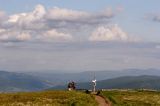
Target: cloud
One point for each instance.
(65, 14)
(61, 17)
(24, 37)
(53, 35)
(30, 26)
(55, 24)
(109, 33)
(28, 20)
(16, 17)
(3, 17)
(2, 14)
(47, 36)
(14, 36)
(35, 15)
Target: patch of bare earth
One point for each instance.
(101, 101)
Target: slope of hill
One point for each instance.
(126, 82)
(131, 82)
(12, 82)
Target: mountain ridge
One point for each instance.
(86, 76)
(124, 82)
(15, 82)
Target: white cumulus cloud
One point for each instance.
(12, 35)
(29, 20)
(109, 33)
(65, 14)
(31, 26)
(78, 17)
(35, 15)
(53, 35)
(14, 18)
(55, 24)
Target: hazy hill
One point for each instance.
(12, 82)
(130, 82)
(87, 76)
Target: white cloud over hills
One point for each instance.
(57, 25)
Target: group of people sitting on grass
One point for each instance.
(71, 86)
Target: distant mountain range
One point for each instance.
(34, 81)
(126, 82)
(13, 82)
(63, 78)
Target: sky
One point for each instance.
(79, 35)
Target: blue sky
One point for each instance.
(53, 34)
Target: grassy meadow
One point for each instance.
(47, 98)
(75, 98)
(133, 98)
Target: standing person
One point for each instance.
(73, 85)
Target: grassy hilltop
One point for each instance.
(133, 98)
(47, 98)
(76, 98)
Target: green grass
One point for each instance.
(133, 98)
(47, 98)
